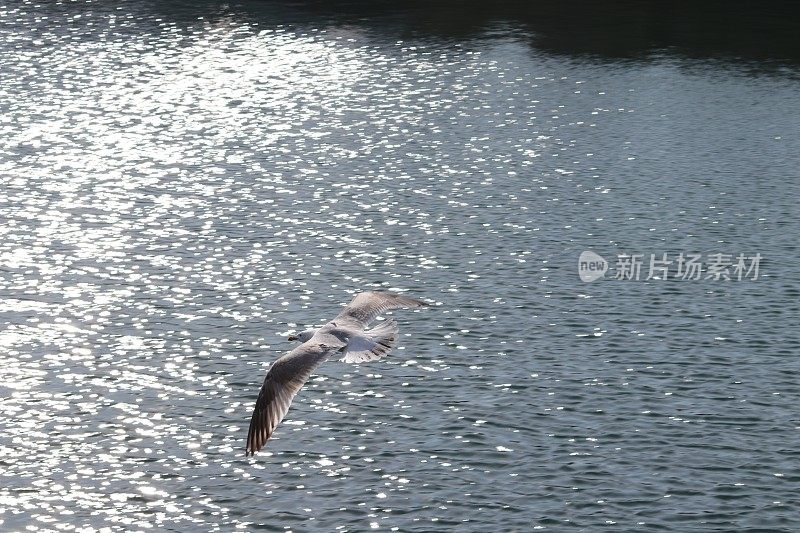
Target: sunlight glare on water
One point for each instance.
(181, 192)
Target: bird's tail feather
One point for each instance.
(374, 344)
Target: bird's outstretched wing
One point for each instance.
(366, 306)
(285, 378)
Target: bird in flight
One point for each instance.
(345, 334)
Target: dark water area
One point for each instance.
(184, 184)
(762, 33)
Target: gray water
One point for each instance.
(184, 184)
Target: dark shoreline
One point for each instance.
(632, 29)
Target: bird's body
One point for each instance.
(344, 334)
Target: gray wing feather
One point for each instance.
(372, 344)
(366, 306)
(285, 378)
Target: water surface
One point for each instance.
(183, 184)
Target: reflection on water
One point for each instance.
(762, 35)
(183, 184)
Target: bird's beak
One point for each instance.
(292, 337)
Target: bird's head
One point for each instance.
(303, 336)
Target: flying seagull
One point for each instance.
(345, 334)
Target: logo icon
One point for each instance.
(591, 266)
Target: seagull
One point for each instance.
(345, 334)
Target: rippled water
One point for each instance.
(181, 188)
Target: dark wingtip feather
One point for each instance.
(408, 300)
